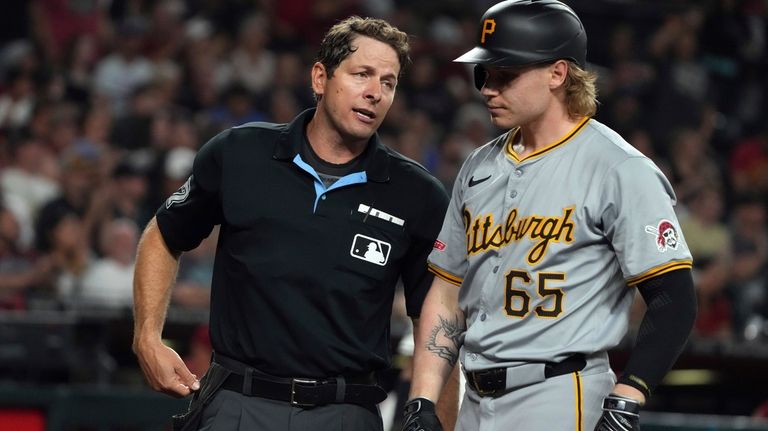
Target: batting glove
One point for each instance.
(420, 416)
(619, 414)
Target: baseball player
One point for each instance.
(550, 228)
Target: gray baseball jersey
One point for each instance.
(546, 247)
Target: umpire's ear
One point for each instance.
(319, 78)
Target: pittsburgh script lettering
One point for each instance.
(484, 234)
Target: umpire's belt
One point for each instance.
(301, 392)
(494, 381)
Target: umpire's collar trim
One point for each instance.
(289, 143)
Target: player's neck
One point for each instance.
(542, 133)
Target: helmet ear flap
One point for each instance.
(481, 75)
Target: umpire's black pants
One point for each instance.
(232, 411)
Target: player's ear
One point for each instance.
(558, 72)
(319, 78)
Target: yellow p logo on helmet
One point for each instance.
(489, 26)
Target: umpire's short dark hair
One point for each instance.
(337, 42)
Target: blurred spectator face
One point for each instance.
(21, 86)
(184, 134)
(79, 178)
(67, 235)
(254, 33)
(119, 240)
(422, 74)
(239, 104)
(161, 130)
(146, 101)
(97, 125)
(642, 141)
(688, 144)
(84, 52)
(708, 205)
(131, 36)
(132, 186)
(30, 156)
(289, 71)
(283, 106)
(686, 46)
(750, 216)
(64, 132)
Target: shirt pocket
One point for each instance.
(372, 246)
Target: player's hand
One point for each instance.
(619, 414)
(165, 371)
(420, 415)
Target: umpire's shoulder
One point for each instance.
(243, 141)
(410, 173)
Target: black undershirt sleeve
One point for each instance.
(671, 311)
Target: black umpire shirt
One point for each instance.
(305, 275)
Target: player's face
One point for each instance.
(516, 96)
(356, 99)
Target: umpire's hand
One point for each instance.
(420, 416)
(619, 414)
(164, 369)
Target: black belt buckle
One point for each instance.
(302, 383)
(477, 376)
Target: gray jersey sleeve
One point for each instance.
(638, 219)
(448, 259)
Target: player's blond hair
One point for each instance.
(580, 91)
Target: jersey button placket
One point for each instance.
(514, 182)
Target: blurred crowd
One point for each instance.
(103, 104)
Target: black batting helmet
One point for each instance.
(523, 32)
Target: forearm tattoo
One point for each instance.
(446, 338)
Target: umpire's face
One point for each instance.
(355, 100)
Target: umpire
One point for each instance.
(319, 220)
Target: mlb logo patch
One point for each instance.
(370, 249)
(439, 245)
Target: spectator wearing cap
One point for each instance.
(237, 107)
(126, 69)
(79, 177)
(122, 196)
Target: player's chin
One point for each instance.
(502, 122)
